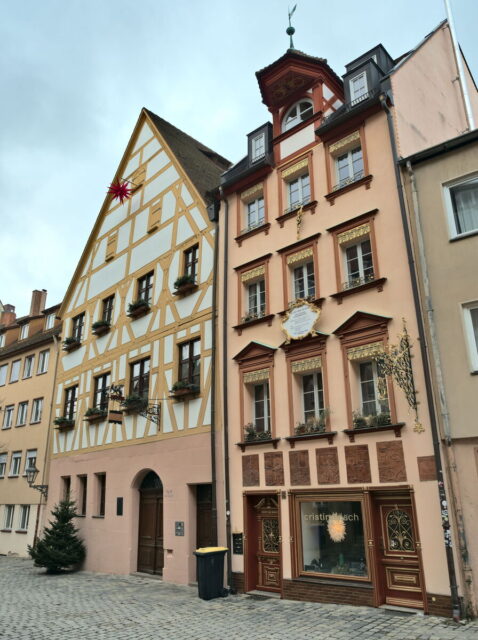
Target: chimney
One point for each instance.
(8, 315)
(38, 302)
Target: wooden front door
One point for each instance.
(398, 554)
(268, 545)
(205, 527)
(150, 539)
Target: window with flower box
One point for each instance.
(78, 324)
(71, 398)
(190, 363)
(145, 288)
(102, 387)
(139, 381)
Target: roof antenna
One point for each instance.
(290, 29)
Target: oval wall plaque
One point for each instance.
(300, 320)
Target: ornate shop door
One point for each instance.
(268, 545)
(398, 553)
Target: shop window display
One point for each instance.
(333, 538)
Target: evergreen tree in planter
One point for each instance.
(60, 547)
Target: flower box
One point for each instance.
(184, 289)
(63, 424)
(182, 390)
(115, 416)
(138, 308)
(93, 415)
(71, 343)
(134, 404)
(100, 328)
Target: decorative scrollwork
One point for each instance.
(399, 531)
(270, 535)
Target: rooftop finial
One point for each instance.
(290, 29)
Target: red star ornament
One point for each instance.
(120, 190)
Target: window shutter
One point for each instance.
(111, 244)
(154, 217)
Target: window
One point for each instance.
(78, 324)
(304, 281)
(24, 331)
(9, 513)
(107, 312)
(24, 517)
(298, 191)
(2, 340)
(30, 460)
(312, 396)
(462, 206)
(471, 327)
(102, 387)
(16, 463)
(358, 263)
(358, 87)
(8, 416)
(145, 288)
(191, 261)
(43, 359)
(255, 213)
(37, 408)
(189, 362)
(3, 374)
(50, 321)
(28, 366)
(372, 402)
(101, 488)
(349, 167)
(258, 147)
(297, 113)
(65, 487)
(261, 407)
(71, 397)
(3, 464)
(15, 371)
(332, 538)
(140, 378)
(83, 481)
(256, 296)
(22, 414)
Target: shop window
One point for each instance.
(332, 538)
(43, 359)
(8, 416)
(71, 398)
(15, 371)
(139, 383)
(22, 414)
(190, 363)
(24, 517)
(8, 518)
(297, 113)
(470, 312)
(461, 198)
(28, 366)
(37, 408)
(102, 387)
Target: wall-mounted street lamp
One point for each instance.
(32, 473)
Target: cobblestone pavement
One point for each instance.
(86, 606)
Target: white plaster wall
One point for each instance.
(297, 141)
(106, 277)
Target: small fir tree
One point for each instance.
(60, 547)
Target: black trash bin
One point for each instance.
(210, 572)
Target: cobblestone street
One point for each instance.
(86, 606)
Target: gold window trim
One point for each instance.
(352, 234)
(365, 351)
(253, 193)
(300, 255)
(344, 142)
(310, 364)
(256, 376)
(253, 273)
(295, 168)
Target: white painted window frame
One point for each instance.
(3, 464)
(351, 84)
(24, 517)
(261, 139)
(24, 331)
(450, 216)
(37, 410)
(8, 517)
(469, 334)
(43, 361)
(15, 464)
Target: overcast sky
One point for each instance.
(76, 73)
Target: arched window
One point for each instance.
(299, 112)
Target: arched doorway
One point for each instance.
(150, 534)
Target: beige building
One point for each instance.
(28, 355)
(441, 186)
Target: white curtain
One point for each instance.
(465, 206)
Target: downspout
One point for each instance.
(225, 424)
(449, 450)
(213, 387)
(461, 71)
(48, 438)
(426, 371)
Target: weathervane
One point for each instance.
(290, 29)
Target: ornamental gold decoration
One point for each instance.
(253, 192)
(310, 364)
(256, 376)
(253, 273)
(300, 255)
(287, 173)
(352, 234)
(343, 142)
(365, 351)
(300, 320)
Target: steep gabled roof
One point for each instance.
(202, 165)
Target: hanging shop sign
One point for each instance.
(300, 320)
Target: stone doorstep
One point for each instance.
(263, 594)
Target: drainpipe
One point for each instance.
(46, 457)
(461, 71)
(449, 450)
(426, 370)
(213, 388)
(225, 398)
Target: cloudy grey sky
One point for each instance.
(75, 74)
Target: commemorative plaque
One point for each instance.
(300, 320)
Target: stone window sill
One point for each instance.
(263, 228)
(379, 282)
(243, 325)
(352, 433)
(349, 187)
(253, 443)
(293, 213)
(330, 435)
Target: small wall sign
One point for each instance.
(300, 320)
(238, 544)
(179, 528)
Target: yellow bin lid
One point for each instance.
(210, 549)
